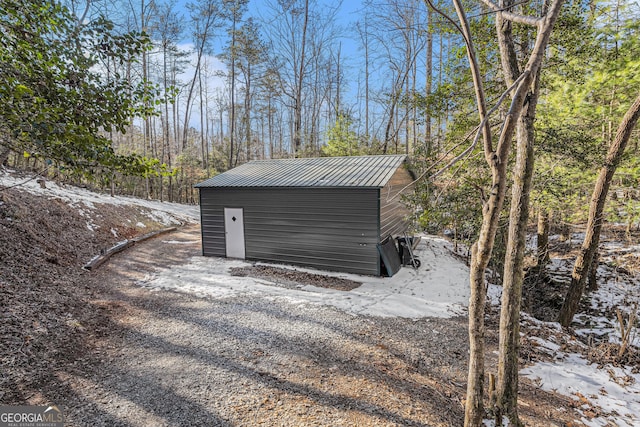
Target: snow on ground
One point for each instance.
(163, 212)
(492, 423)
(609, 395)
(440, 287)
(614, 392)
(616, 293)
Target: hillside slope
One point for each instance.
(46, 236)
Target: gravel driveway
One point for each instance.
(175, 359)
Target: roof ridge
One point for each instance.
(324, 157)
(367, 171)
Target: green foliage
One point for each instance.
(596, 69)
(341, 140)
(56, 100)
(456, 211)
(592, 76)
(451, 203)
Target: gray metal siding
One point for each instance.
(393, 212)
(330, 229)
(212, 225)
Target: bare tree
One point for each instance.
(235, 9)
(297, 99)
(428, 83)
(167, 28)
(596, 208)
(250, 55)
(497, 159)
(205, 16)
(363, 31)
(140, 19)
(268, 95)
(299, 34)
(399, 49)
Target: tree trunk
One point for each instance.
(509, 344)
(497, 159)
(428, 84)
(270, 127)
(145, 76)
(4, 155)
(166, 148)
(482, 248)
(207, 14)
(396, 93)
(542, 252)
(203, 141)
(506, 398)
(592, 282)
(247, 109)
(366, 81)
(596, 208)
(232, 95)
(297, 121)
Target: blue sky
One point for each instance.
(348, 14)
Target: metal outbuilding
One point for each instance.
(329, 213)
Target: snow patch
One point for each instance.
(494, 293)
(602, 388)
(492, 423)
(163, 218)
(439, 288)
(606, 395)
(178, 242)
(167, 213)
(615, 293)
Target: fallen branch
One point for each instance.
(626, 328)
(37, 175)
(98, 260)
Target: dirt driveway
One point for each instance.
(170, 359)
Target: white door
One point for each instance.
(234, 232)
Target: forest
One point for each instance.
(514, 114)
(176, 92)
(172, 93)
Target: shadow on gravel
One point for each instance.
(339, 401)
(82, 411)
(150, 397)
(341, 350)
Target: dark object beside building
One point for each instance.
(390, 257)
(329, 213)
(406, 247)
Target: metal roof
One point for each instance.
(356, 171)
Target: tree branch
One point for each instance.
(533, 65)
(447, 17)
(477, 80)
(477, 137)
(514, 17)
(38, 174)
